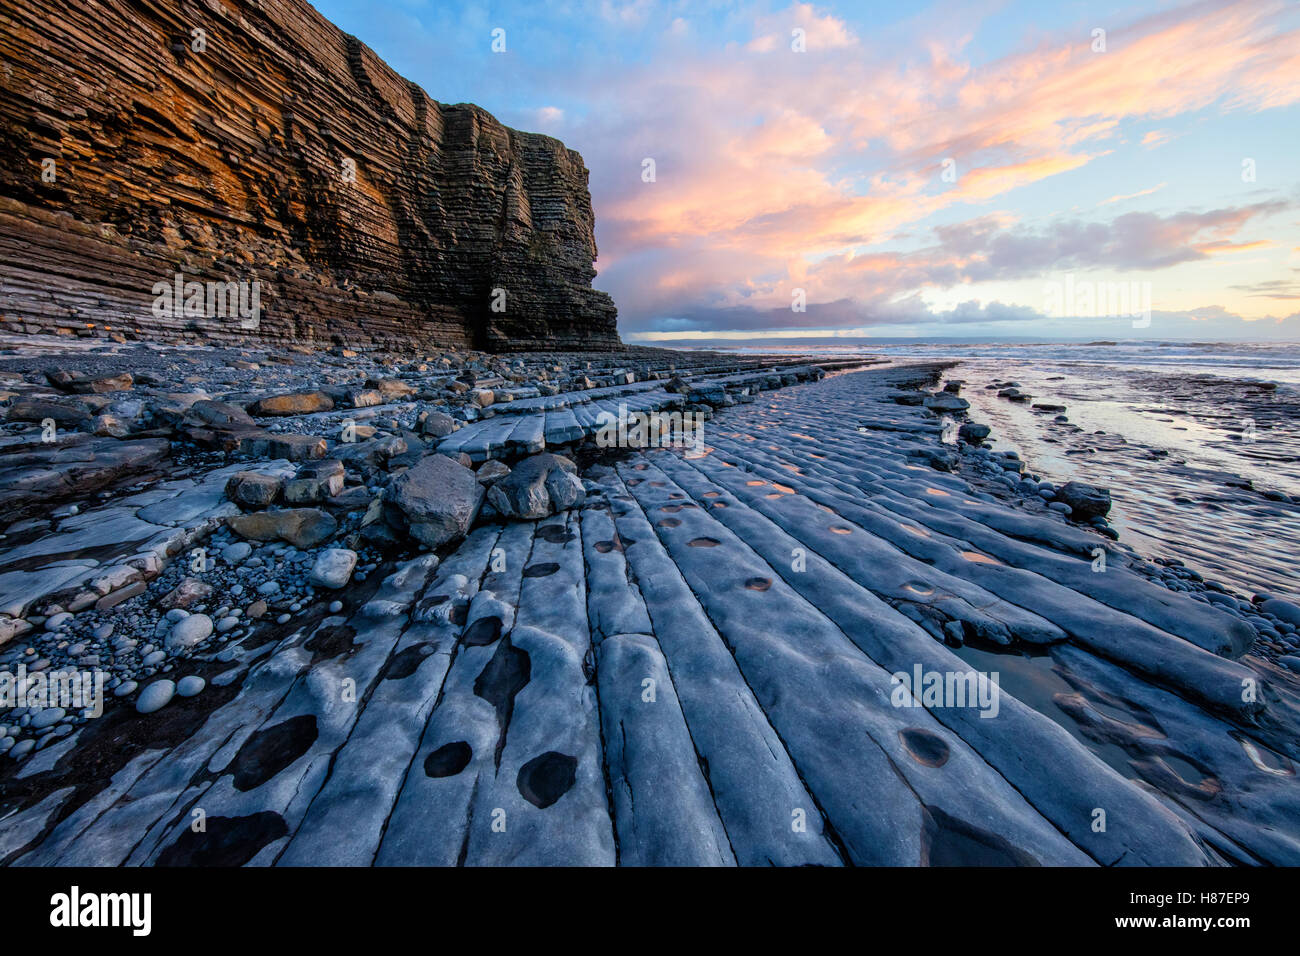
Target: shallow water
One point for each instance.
(1166, 428)
(1171, 446)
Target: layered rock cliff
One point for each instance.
(270, 147)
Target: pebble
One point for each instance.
(333, 567)
(236, 553)
(125, 688)
(190, 686)
(155, 696)
(22, 748)
(188, 632)
(47, 718)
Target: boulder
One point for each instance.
(315, 482)
(108, 383)
(71, 414)
(188, 632)
(714, 395)
(189, 592)
(973, 433)
(156, 696)
(350, 397)
(292, 447)
(438, 425)
(435, 501)
(370, 458)
(190, 686)
(333, 568)
(391, 389)
(252, 490)
(206, 413)
(301, 527)
(537, 487)
(1282, 609)
(491, 471)
(1086, 501)
(946, 402)
(110, 426)
(292, 403)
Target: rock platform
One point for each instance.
(700, 664)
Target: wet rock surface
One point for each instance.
(621, 673)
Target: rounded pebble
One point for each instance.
(22, 748)
(47, 718)
(189, 686)
(189, 632)
(155, 696)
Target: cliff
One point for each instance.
(273, 148)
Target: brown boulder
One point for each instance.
(301, 527)
(252, 490)
(292, 403)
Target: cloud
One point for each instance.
(1126, 196)
(775, 167)
(1272, 289)
(864, 290)
(1132, 241)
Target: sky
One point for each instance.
(974, 170)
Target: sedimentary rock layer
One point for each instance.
(256, 142)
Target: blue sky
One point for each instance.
(1161, 158)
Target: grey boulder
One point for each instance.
(435, 501)
(333, 568)
(539, 486)
(1085, 501)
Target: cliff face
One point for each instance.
(283, 152)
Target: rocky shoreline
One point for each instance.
(403, 599)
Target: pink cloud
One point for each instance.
(752, 144)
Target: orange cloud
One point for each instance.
(761, 144)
